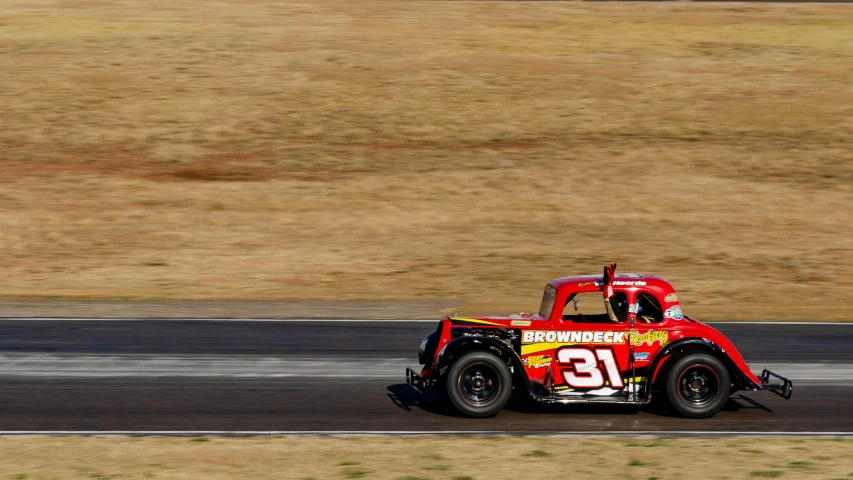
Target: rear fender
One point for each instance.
(742, 379)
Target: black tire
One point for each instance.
(698, 385)
(479, 384)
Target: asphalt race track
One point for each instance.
(347, 376)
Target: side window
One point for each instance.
(648, 310)
(588, 307)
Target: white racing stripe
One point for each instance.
(199, 366)
(812, 373)
(105, 366)
(473, 433)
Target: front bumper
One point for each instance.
(416, 381)
(784, 389)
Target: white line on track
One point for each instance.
(195, 366)
(486, 433)
(48, 365)
(332, 320)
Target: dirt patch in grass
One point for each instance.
(450, 151)
(422, 458)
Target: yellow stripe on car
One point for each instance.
(475, 320)
(541, 347)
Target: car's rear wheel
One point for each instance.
(698, 385)
(479, 384)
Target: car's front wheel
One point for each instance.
(479, 384)
(698, 385)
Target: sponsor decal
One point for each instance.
(641, 356)
(520, 323)
(648, 338)
(671, 298)
(632, 337)
(537, 361)
(674, 312)
(629, 283)
(585, 367)
(551, 336)
(586, 284)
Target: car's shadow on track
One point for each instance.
(740, 402)
(405, 397)
(528, 406)
(523, 405)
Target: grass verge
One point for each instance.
(471, 151)
(422, 458)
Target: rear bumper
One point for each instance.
(780, 386)
(416, 381)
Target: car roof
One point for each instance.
(631, 280)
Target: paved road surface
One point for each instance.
(86, 375)
(813, 343)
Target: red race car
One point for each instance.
(578, 349)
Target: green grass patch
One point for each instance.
(355, 473)
(439, 468)
(348, 464)
(801, 464)
(537, 453)
(766, 474)
(639, 463)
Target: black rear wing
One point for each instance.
(783, 389)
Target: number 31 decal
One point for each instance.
(582, 367)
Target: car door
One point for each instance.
(647, 336)
(591, 357)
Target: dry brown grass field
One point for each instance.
(427, 150)
(422, 458)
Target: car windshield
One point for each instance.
(548, 301)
